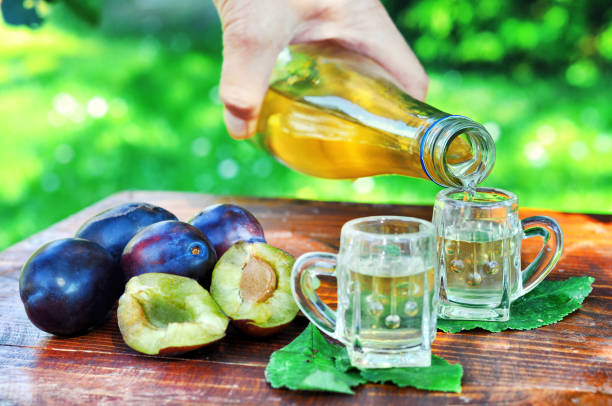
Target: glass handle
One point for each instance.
(304, 283)
(547, 258)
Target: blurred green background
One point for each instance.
(119, 95)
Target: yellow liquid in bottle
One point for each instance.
(347, 124)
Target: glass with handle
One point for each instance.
(387, 291)
(479, 240)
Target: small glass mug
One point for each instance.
(387, 291)
(479, 253)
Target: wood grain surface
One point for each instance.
(569, 362)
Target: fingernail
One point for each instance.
(237, 127)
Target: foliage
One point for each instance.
(310, 362)
(32, 12)
(523, 36)
(439, 376)
(548, 303)
(520, 36)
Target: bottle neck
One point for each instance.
(457, 152)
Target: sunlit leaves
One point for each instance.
(604, 42)
(583, 73)
(521, 35)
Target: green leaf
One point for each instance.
(548, 303)
(307, 363)
(310, 362)
(440, 376)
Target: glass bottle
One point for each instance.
(333, 113)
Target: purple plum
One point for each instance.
(68, 286)
(171, 247)
(227, 224)
(114, 227)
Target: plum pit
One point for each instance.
(251, 283)
(258, 280)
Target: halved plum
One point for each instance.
(251, 284)
(168, 314)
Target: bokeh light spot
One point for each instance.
(97, 107)
(602, 143)
(262, 167)
(482, 46)
(604, 42)
(65, 104)
(556, 17)
(583, 73)
(536, 154)
(364, 185)
(64, 154)
(228, 168)
(49, 182)
(546, 134)
(201, 146)
(578, 150)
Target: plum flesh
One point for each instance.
(114, 227)
(227, 224)
(168, 314)
(69, 286)
(171, 247)
(252, 284)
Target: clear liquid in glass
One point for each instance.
(475, 256)
(387, 307)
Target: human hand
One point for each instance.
(255, 32)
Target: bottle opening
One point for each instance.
(458, 152)
(464, 158)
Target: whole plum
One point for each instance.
(171, 247)
(114, 227)
(227, 224)
(68, 286)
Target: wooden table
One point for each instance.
(566, 363)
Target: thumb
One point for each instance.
(247, 65)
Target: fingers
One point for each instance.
(244, 82)
(254, 33)
(250, 50)
(378, 38)
(365, 27)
